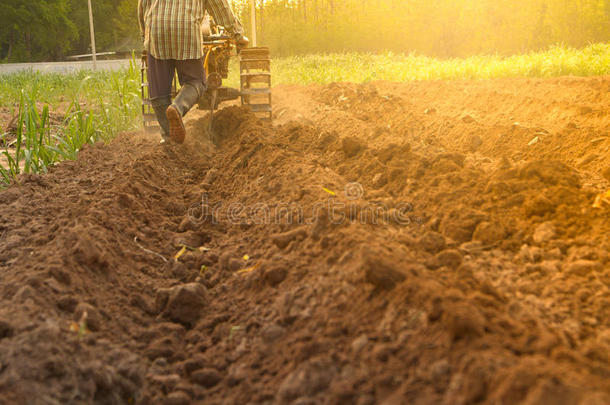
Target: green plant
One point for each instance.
(364, 67)
(114, 104)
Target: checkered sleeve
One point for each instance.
(223, 15)
(141, 10)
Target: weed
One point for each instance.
(113, 105)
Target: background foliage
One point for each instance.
(442, 28)
(51, 29)
(47, 30)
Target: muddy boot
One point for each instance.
(186, 98)
(160, 105)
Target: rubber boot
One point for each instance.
(160, 105)
(186, 98)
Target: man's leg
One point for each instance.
(192, 80)
(160, 77)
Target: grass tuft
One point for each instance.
(102, 105)
(559, 60)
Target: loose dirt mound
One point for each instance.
(384, 243)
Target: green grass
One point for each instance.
(58, 89)
(358, 68)
(94, 107)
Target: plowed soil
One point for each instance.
(382, 243)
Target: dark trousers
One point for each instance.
(161, 75)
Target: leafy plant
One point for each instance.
(115, 107)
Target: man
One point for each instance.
(171, 31)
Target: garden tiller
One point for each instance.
(254, 74)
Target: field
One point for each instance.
(385, 241)
(87, 107)
(358, 68)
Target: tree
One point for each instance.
(51, 29)
(126, 25)
(39, 30)
(8, 21)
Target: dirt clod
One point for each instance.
(283, 239)
(271, 333)
(491, 287)
(468, 119)
(450, 258)
(464, 321)
(6, 330)
(351, 146)
(207, 377)
(307, 380)
(433, 242)
(177, 398)
(583, 268)
(359, 343)
(544, 233)
(381, 272)
(539, 206)
(183, 303)
(275, 275)
(489, 233)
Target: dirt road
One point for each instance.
(64, 67)
(384, 243)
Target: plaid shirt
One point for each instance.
(171, 29)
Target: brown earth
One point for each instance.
(8, 120)
(385, 243)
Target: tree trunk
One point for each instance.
(260, 22)
(28, 44)
(11, 40)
